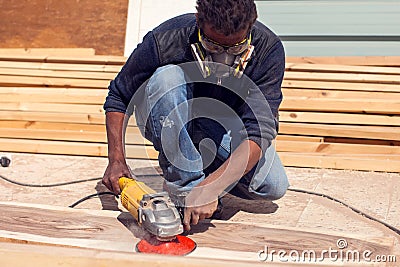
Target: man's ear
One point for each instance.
(197, 18)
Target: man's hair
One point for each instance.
(226, 16)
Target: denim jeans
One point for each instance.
(192, 147)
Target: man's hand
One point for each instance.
(193, 215)
(200, 204)
(112, 174)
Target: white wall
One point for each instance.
(144, 15)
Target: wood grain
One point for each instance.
(100, 229)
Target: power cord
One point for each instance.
(391, 227)
(63, 184)
(49, 185)
(92, 196)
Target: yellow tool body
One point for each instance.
(155, 212)
(132, 193)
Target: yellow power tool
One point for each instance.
(155, 212)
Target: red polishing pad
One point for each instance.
(181, 245)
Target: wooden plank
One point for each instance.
(60, 66)
(53, 116)
(343, 77)
(339, 118)
(105, 60)
(341, 162)
(326, 130)
(49, 107)
(349, 60)
(72, 148)
(338, 94)
(17, 255)
(33, 117)
(336, 148)
(55, 126)
(89, 75)
(117, 231)
(361, 141)
(328, 85)
(8, 80)
(37, 125)
(69, 135)
(373, 106)
(52, 95)
(340, 68)
(299, 138)
(48, 51)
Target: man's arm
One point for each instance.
(258, 115)
(202, 200)
(117, 166)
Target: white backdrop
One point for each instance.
(144, 15)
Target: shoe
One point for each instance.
(217, 215)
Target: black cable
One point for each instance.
(57, 184)
(91, 196)
(50, 185)
(391, 227)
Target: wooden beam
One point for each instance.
(53, 95)
(55, 126)
(338, 94)
(89, 75)
(104, 60)
(60, 66)
(299, 138)
(49, 107)
(72, 148)
(35, 116)
(374, 106)
(326, 130)
(329, 85)
(37, 125)
(68, 135)
(339, 118)
(48, 51)
(342, 77)
(9, 80)
(349, 60)
(340, 68)
(17, 255)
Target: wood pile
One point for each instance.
(333, 116)
(341, 116)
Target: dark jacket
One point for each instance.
(170, 42)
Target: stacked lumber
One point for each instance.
(333, 116)
(341, 116)
(53, 103)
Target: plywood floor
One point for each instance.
(374, 193)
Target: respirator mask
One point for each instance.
(222, 61)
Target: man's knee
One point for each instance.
(164, 79)
(273, 191)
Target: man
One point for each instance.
(205, 89)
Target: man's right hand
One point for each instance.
(114, 171)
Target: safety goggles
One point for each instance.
(214, 47)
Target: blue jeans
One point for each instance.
(191, 147)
